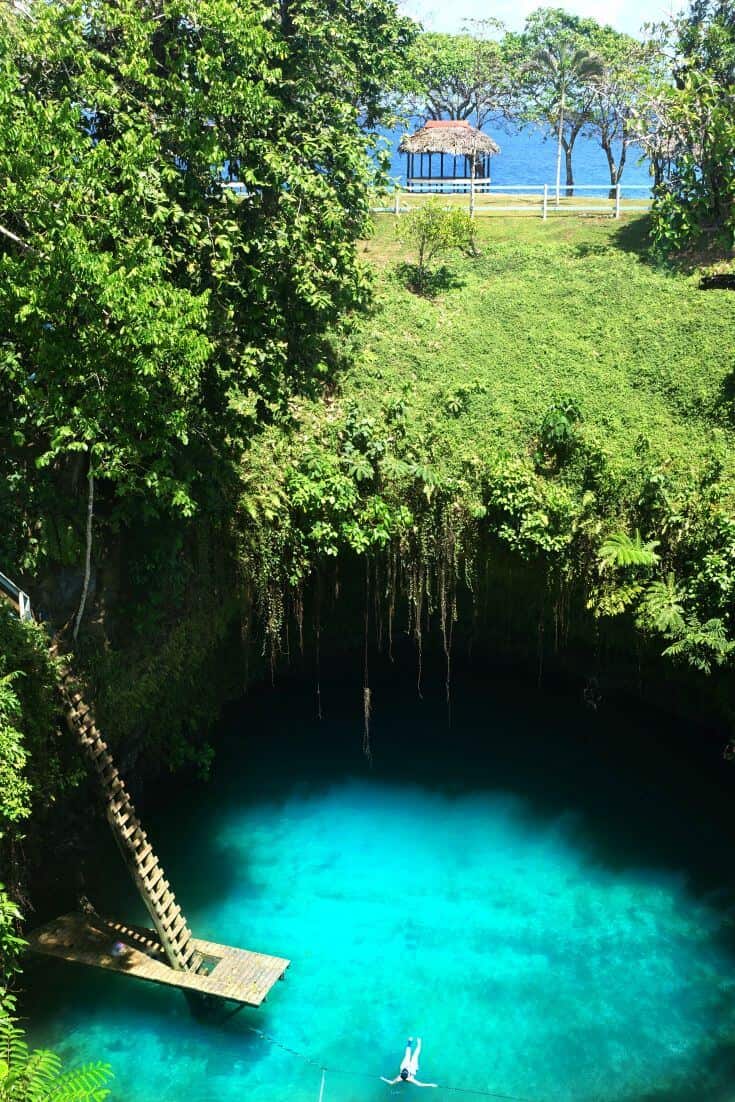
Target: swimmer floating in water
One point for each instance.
(409, 1066)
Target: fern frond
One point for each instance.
(661, 608)
(84, 1084)
(620, 551)
(13, 1048)
(41, 1071)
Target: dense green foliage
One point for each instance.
(696, 130)
(459, 76)
(151, 317)
(154, 318)
(36, 1076)
(35, 766)
(521, 407)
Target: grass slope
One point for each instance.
(567, 307)
(433, 436)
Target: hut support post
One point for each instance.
(472, 187)
(545, 214)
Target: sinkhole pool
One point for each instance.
(543, 893)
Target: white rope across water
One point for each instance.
(368, 1075)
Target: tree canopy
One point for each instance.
(152, 315)
(459, 76)
(690, 127)
(577, 76)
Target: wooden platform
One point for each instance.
(236, 974)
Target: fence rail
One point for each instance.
(16, 596)
(532, 199)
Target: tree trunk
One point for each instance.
(616, 170)
(570, 171)
(559, 144)
(88, 552)
(611, 167)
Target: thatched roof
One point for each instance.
(453, 136)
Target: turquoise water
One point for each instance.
(543, 893)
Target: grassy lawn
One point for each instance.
(570, 307)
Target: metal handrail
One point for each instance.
(20, 599)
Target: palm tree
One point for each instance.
(563, 67)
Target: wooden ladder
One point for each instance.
(145, 868)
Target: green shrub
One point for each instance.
(434, 231)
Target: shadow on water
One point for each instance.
(643, 794)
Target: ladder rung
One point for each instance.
(155, 872)
(147, 861)
(143, 853)
(128, 832)
(157, 897)
(188, 953)
(167, 918)
(177, 926)
(182, 942)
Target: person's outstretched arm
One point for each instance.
(390, 1082)
(418, 1083)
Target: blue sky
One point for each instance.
(624, 15)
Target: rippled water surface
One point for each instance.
(543, 893)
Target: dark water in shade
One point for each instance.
(529, 157)
(545, 894)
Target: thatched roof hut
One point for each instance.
(442, 138)
(453, 136)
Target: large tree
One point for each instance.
(631, 72)
(152, 317)
(690, 125)
(556, 64)
(560, 78)
(459, 76)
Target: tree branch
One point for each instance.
(88, 553)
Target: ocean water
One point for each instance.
(528, 156)
(544, 894)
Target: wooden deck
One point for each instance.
(236, 974)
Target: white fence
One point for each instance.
(534, 199)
